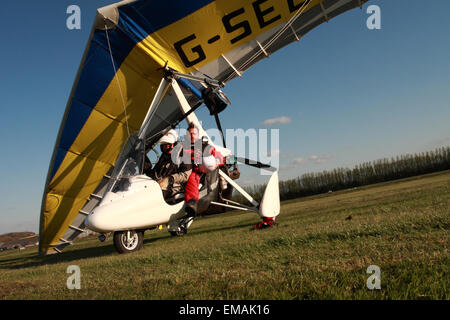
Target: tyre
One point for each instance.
(180, 227)
(128, 241)
(180, 232)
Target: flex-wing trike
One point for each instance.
(133, 202)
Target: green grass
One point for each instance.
(313, 253)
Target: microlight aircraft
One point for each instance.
(149, 65)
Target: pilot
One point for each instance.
(170, 175)
(204, 158)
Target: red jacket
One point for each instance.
(191, 189)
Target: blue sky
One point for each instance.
(351, 94)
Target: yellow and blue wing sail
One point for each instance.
(121, 69)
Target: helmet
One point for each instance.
(209, 163)
(169, 137)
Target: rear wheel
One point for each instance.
(128, 241)
(180, 227)
(180, 232)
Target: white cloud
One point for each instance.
(294, 163)
(320, 159)
(287, 155)
(274, 153)
(279, 120)
(298, 162)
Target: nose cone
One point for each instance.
(95, 222)
(88, 223)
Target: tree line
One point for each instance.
(363, 174)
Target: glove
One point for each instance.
(164, 183)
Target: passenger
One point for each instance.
(171, 176)
(204, 158)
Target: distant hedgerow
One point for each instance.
(363, 174)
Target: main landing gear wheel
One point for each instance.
(128, 241)
(180, 232)
(180, 227)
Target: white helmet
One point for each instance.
(169, 137)
(209, 163)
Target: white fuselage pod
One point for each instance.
(141, 206)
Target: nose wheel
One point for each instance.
(128, 241)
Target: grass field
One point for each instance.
(320, 249)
